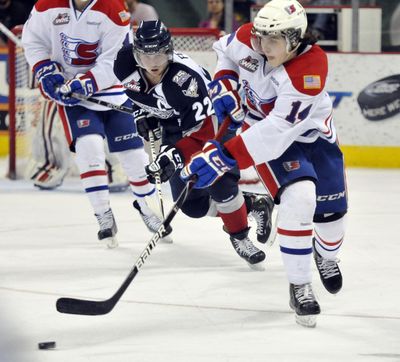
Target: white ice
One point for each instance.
(194, 300)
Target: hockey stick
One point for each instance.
(157, 175)
(91, 307)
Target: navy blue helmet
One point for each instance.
(152, 37)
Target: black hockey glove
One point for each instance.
(146, 124)
(166, 163)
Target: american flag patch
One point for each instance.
(312, 82)
(124, 16)
(82, 123)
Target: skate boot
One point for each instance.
(246, 250)
(260, 209)
(303, 302)
(153, 222)
(108, 229)
(329, 272)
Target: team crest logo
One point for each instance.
(290, 9)
(61, 19)
(78, 52)
(291, 165)
(133, 85)
(83, 123)
(249, 64)
(180, 78)
(191, 91)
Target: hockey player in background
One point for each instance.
(292, 140)
(70, 46)
(169, 91)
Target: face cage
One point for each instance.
(156, 59)
(291, 35)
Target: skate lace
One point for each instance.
(106, 220)
(152, 222)
(258, 217)
(245, 247)
(328, 268)
(304, 293)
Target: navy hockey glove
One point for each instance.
(83, 84)
(209, 165)
(166, 163)
(226, 100)
(146, 124)
(49, 76)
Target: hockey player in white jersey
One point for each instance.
(291, 140)
(71, 46)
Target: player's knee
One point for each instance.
(298, 202)
(196, 208)
(225, 189)
(133, 161)
(90, 151)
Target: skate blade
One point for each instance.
(111, 243)
(309, 321)
(257, 267)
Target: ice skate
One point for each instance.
(108, 229)
(260, 209)
(246, 250)
(303, 302)
(329, 272)
(153, 222)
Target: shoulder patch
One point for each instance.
(191, 91)
(312, 81)
(308, 71)
(181, 77)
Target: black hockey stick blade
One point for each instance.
(92, 307)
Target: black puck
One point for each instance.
(47, 345)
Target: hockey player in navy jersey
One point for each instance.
(71, 46)
(169, 92)
(291, 139)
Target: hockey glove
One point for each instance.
(49, 76)
(166, 163)
(209, 165)
(83, 84)
(226, 100)
(146, 124)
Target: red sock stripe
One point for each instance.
(139, 183)
(327, 243)
(93, 173)
(295, 232)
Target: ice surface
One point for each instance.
(194, 300)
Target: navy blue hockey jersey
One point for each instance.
(180, 101)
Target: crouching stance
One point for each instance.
(291, 139)
(170, 93)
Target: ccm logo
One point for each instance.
(124, 137)
(332, 197)
(220, 164)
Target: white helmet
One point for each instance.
(282, 17)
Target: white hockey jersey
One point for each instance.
(286, 104)
(81, 42)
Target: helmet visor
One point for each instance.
(150, 61)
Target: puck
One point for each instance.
(47, 345)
